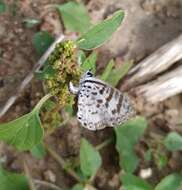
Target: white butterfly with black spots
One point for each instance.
(99, 104)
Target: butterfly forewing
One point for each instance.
(100, 105)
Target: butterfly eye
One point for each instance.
(89, 74)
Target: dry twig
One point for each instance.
(156, 63)
(62, 163)
(164, 87)
(47, 184)
(30, 180)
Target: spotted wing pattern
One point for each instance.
(100, 105)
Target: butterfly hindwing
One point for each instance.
(100, 105)
(91, 105)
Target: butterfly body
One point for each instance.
(100, 105)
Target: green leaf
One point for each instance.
(78, 187)
(38, 151)
(127, 135)
(90, 159)
(47, 73)
(2, 6)
(118, 73)
(10, 181)
(101, 32)
(170, 182)
(69, 109)
(107, 71)
(114, 75)
(79, 172)
(131, 182)
(26, 131)
(81, 57)
(161, 160)
(90, 63)
(41, 41)
(75, 16)
(30, 23)
(173, 141)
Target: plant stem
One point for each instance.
(41, 102)
(63, 164)
(47, 184)
(27, 173)
(103, 144)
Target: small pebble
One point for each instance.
(145, 173)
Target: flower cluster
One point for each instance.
(63, 62)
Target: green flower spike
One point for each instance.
(63, 62)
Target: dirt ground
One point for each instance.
(149, 24)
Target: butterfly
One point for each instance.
(99, 104)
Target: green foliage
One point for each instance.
(78, 171)
(10, 181)
(26, 131)
(127, 135)
(90, 159)
(30, 23)
(51, 116)
(47, 73)
(161, 160)
(51, 120)
(41, 41)
(2, 6)
(131, 182)
(75, 16)
(49, 105)
(69, 109)
(118, 73)
(114, 75)
(90, 63)
(107, 71)
(38, 151)
(81, 57)
(78, 187)
(173, 141)
(170, 182)
(101, 32)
